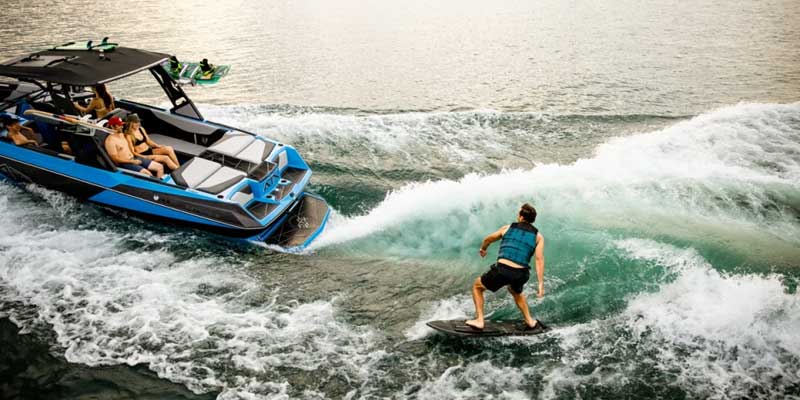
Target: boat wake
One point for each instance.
(700, 332)
(113, 297)
(729, 176)
(664, 277)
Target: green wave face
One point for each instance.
(669, 254)
(724, 182)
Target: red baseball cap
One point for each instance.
(115, 121)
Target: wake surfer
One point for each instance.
(520, 242)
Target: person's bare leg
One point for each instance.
(477, 298)
(172, 155)
(169, 152)
(522, 304)
(163, 159)
(157, 168)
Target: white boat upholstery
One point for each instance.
(177, 144)
(255, 152)
(211, 176)
(232, 143)
(208, 176)
(220, 180)
(244, 147)
(194, 172)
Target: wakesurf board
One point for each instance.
(191, 72)
(102, 44)
(457, 327)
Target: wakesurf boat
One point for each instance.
(231, 182)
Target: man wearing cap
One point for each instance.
(120, 152)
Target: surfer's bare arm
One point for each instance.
(539, 254)
(493, 237)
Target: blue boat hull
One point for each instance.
(148, 198)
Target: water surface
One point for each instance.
(659, 143)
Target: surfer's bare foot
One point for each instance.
(474, 323)
(531, 324)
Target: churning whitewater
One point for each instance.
(672, 263)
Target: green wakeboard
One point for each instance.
(191, 71)
(102, 44)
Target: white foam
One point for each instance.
(387, 140)
(722, 334)
(709, 176)
(65, 206)
(717, 312)
(427, 200)
(109, 303)
(455, 307)
(193, 321)
(477, 380)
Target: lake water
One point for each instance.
(660, 143)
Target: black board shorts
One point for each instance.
(500, 275)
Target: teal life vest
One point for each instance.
(519, 243)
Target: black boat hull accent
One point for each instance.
(301, 224)
(27, 173)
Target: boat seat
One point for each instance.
(243, 146)
(255, 152)
(220, 180)
(90, 150)
(208, 176)
(194, 172)
(177, 144)
(232, 143)
(63, 105)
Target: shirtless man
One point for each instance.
(521, 241)
(122, 155)
(20, 135)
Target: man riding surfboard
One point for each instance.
(520, 242)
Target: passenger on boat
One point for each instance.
(175, 65)
(143, 146)
(122, 155)
(20, 135)
(207, 69)
(101, 104)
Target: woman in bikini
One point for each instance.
(101, 104)
(143, 146)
